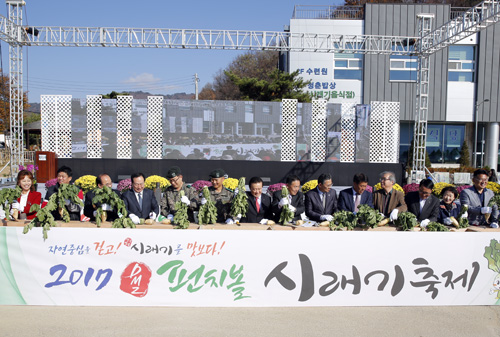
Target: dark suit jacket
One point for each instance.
(397, 201)
(297, 202)
(149, 203)
(89, 209)
(346, 200)
(429, 211)
(33, 198)
(314, 206)
(265, 211)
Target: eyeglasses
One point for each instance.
(482, 180)
(384, 179)
(174, 179)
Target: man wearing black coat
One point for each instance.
(321, 202)
(295, 199)
(259, 205)
(423, 204)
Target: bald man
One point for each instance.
(101, 181)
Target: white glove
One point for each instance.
(447, 221)
(152, 215)
(494, 225)
(15, 205)
(326, 217)
(185, 200)
(283, 202)
(485, 210)
(465, 215)
(263, 222)
(203, 201)
(394, 214)
(2, 214)
(293, 209)
(170, 217)
(135, 219)
(424, 223)
(67, 202)
(94, 213)
(106, 207)
(238, 217)
(229, 221)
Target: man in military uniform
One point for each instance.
(221, 196)
(172, 195)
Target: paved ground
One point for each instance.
(315, 321)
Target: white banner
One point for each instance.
(155, 267)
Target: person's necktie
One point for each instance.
(357, 201)
(324, 201)
(257, 206)
(140, 201)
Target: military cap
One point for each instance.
(217, 173)
(174, 171)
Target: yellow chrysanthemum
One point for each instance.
(230, 183)
(310, 185)
(395, 186)
(438, 188)
(86, 183)
(152, 180)
(495, 187)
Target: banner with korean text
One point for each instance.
(247, 268)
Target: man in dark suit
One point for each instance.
(259, 205)
(140, 202)
(351, 198)
(423, 204)
(321, 202)
(90, 208)
(295, 200)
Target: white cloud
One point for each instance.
(142, 79)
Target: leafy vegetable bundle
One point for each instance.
(7, 197)
(105, 195)
(57, 201)
(181, 213)
(239, 206)
(495, 204)
(436, 227)
(208, 211)
(370, 217)
(406, 221)
(286, 215)
(343, 220)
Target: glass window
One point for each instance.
(403, 68)
(347, 66)
(461, 63)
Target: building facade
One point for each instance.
(464, 82)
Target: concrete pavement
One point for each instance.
(311, 321)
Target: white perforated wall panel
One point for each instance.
(318, 131)
(155, 127)
(94, 131)
(124, 127)
(288, 129)
(348, 133)
(384, 132)
(56, 120)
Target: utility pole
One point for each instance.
(196, 80)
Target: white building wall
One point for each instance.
(336, 91)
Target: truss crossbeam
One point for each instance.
(217, 39)
(473, 20)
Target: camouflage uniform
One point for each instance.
(171, 196)
(222, 202)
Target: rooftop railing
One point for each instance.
(328, 12)
(345, 12)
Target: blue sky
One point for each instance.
(82, 71)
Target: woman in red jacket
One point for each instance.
(28, 195)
